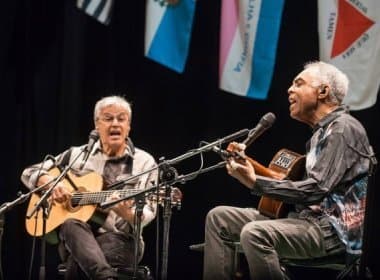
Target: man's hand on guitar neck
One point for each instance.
(240, 168)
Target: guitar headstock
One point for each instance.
(236, 150)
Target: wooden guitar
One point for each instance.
(285, 164)
(86, 196)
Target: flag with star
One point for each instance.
(349, 38)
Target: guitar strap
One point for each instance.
(129, 160)
(65, 160)
(63, 163)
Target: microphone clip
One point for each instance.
(225, 154)
(167, 173)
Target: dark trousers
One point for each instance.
(94, 256)
(263, 241)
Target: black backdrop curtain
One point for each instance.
(55, 62)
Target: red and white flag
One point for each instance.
(349, 38)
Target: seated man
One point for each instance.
(329, 201)
(94, 251)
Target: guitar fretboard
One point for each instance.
(86, 198)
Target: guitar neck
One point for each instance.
(259, 168)
(87, 198)
(264, 171)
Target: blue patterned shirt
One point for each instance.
(335, 183)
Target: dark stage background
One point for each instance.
(55, 62)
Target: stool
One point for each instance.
(237, 271)
(142, 273)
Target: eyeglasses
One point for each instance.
(122, 118)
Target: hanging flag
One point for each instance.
(248, 42)
(168, 27)
(349, 38)
(101, 10)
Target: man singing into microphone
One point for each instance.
(329, 200)
(92, 252)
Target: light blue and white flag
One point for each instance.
(248, 44)
(168, 29)
(101, 10)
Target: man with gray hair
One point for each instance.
(94, 251)
(329, 200)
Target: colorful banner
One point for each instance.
(248, 43)
(349, 38)
(168, 29)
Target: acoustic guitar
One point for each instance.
(87, 194)
(285, 164)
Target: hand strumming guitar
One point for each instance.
(59, 194)
(239, 167)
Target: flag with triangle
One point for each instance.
(349, 38)
(248, 44)
(168, 26)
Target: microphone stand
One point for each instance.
(44, 205)
(168, 174)
(7, 206)
(168, 163)
(139, 202)
(1, 236)
(167, 213)
(208, 147)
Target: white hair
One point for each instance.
(328, 74)
(112, 100)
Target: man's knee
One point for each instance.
(216, 213)
(253, 233)
(70, 224)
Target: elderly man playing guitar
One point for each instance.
(329, 199)
(95, 172)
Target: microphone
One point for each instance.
(92, 138)
(265, 122)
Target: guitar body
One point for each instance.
(60, 212)
(285, 164)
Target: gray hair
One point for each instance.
(328, 74)
(112, 100)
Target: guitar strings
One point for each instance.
(97, 197)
